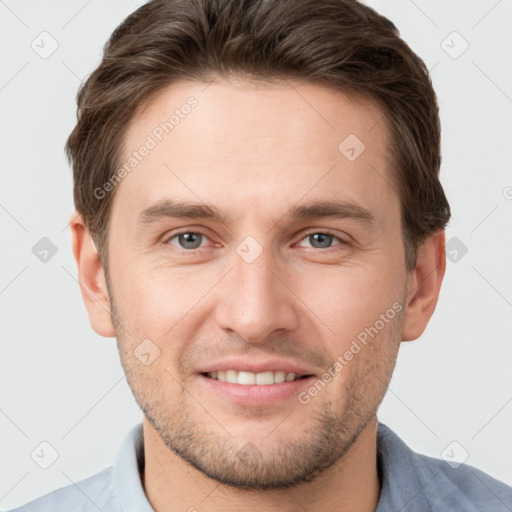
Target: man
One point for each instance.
(260, 224)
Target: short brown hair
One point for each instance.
(340, 43)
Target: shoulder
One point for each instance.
(414, 478)
(91, 494)
(464, 486)
(111, 490)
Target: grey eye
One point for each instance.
(189, 240)
(320, 240)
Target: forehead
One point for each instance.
(236, 145)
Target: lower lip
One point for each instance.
(254, 394)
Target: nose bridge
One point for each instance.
(255, 301)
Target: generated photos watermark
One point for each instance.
(343, 360)
(152, 140)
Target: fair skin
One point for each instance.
(253, 152)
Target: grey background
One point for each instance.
(63, 384)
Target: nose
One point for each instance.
(256, 300)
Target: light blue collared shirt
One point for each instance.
(410, 482)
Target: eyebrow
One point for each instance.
(168, 208)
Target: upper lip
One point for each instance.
(254, 366)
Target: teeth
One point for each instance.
(249, 378)
(231, 376)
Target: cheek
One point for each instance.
(345, 300)
(165, 306)
(155, 294)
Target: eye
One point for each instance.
(323, 240)
(188, 239)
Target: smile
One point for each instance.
(250, 378)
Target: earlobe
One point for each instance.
(91, 278)
(424, 285)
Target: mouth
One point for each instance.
(248, 389)
(255, 382)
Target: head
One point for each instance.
(258, 180)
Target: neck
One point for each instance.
(351, 484)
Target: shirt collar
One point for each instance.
(402, 476)
(128, 470)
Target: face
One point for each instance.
(270, 282)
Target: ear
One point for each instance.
(91, 278)
(423, 286)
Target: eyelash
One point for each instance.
(326, 232)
